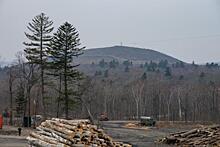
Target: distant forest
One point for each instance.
(47, 80)
(170, 92)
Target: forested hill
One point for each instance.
(122, 53)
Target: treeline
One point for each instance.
(152, 66)
(161, 66)
(179, 92)
(190, 98)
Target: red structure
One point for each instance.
(1, 121)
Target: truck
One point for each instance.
(147, 121)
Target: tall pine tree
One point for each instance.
(65, 45)
(40, 28)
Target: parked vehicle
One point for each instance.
(147, 121)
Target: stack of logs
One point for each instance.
(70, 133)
(205, 136)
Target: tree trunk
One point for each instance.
(58, 101)
(105, 104)
(168, 105)
(29, 104)
(137, 109)
(88, 111)
(168, 112)
(42, 68)
(11, 101)
(113, 107)
(66, 97)
(179, 104)
(65, 84)
(11, 95)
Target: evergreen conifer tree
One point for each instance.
(144, 76)
(64, 46)
(106, 74)
(40, 28)
(127, 69)
(168, 72)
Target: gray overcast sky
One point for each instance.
(186, 29)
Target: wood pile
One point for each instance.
(70, 133)
(205, 136)
(132, 125)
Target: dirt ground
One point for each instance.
(138, 137)
(143, 137)
(9, 137)
(12, 141)
(10, 130)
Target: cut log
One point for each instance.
(205, 136)
(44, 138)
(71, 133)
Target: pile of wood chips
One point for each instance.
(205, 136)
(70, 133)
(131, 125)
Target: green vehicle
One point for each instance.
(147, 121)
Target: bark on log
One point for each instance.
(206, 136)
(69, 133)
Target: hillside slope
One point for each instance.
(122, 53)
